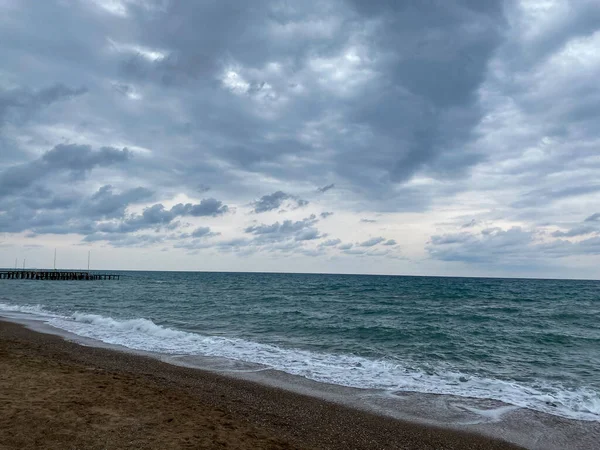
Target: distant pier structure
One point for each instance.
(56, 275)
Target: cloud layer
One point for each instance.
(455, 139)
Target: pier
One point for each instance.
(55, 275)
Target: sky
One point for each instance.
(430, 137)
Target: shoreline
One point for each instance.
(56, 392)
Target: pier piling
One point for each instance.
(55, 275)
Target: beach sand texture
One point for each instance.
(56, 394)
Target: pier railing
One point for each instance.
(55, 275)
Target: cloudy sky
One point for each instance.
(429, 137)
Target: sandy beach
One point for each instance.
(56, 394)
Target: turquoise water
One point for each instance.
(530, 343)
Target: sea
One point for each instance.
(497, 345)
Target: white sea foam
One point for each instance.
(346, 370)
(485, 414)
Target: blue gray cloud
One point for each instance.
(505, 247)
(330, 243)
(299, 230)
(326, 188)
(372, 242)
(19, 104)
(105, 204)
(76, 160)
(276, 200)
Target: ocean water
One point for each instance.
(529, 343)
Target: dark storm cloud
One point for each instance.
(499, 247)
(100, 215)
(207, 207)
(489, 245)
(457, 54)
(283, 230)
(439, 73)
(580, 230)
(284, 236)
(17, 219)
(390, 242)
(270, 202)
(157, 216)
(40, 198)
(202, 232)
(106, 204)
(384, 98)
(590, 225)
(307, 235)
(18, 104)
(324, 189)
(276, 200)
(540, 196)
(409, 95)
(330, 243)
(372, 242)
(77, 160)
(81, 158)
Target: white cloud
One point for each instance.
(150, 54)
(235, 83)
(116, 7)
(345, 73)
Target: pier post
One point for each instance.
(28, 274)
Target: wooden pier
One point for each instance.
(56, 275)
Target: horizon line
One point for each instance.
(309, 273)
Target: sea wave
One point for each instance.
(342, 369)
(36, 310)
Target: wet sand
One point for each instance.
(56, 394)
